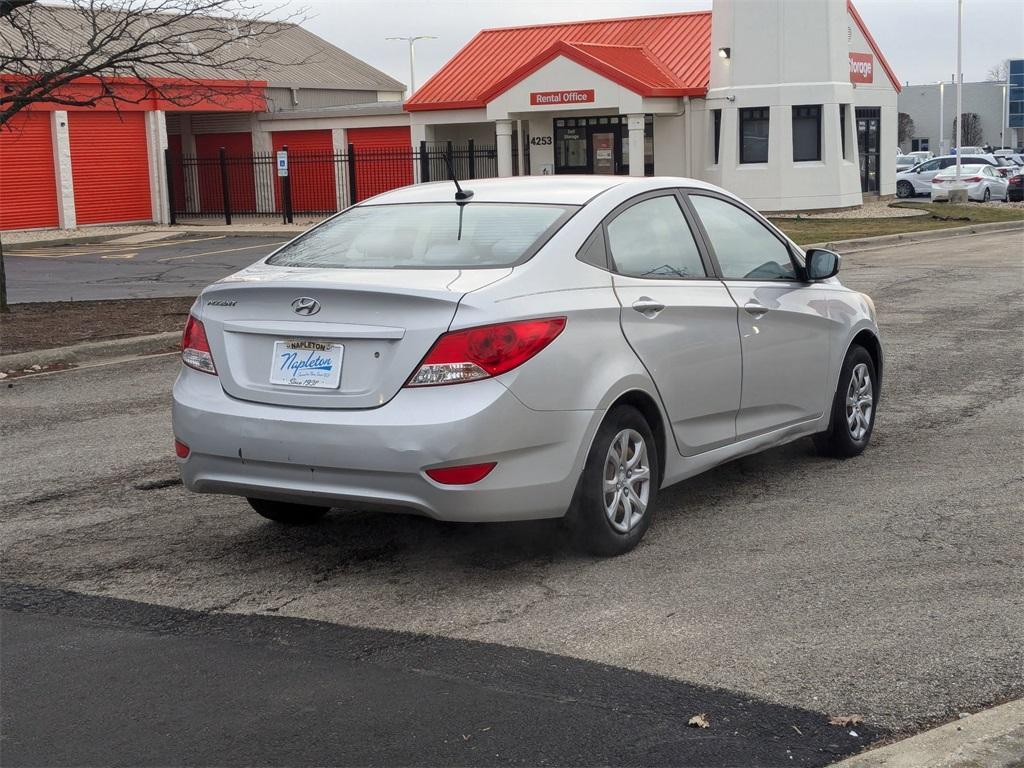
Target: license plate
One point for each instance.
(311, 364)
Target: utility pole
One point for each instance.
(412, 56)
(958, 193)
(942, 130)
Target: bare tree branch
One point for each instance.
(121, 52)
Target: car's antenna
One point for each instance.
(461, 195)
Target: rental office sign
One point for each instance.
(547, 98)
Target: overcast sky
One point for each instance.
(918, 37)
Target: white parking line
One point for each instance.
(225, 250)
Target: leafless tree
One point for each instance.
(905, 127)
(999, 73)
(972, 135)
(81, 53)
(172, 48)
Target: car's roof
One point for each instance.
(563, 190)
(951, 171)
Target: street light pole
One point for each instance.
(942, 130)
(412, 56)
(958, 194)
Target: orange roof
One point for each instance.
(667, 55)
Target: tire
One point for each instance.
(904, 189)
(987, 196)
(857, 380)
(604, 520)
(288, 514)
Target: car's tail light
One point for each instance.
(972, 179)
(181, 450)
(195, 349)
(485, 351)
(464, 475)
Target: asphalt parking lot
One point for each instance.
(770, 593)
(121, 269)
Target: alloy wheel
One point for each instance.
(904, 189)
(860, 402)
(627, 480)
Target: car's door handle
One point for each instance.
(647, 306)
(755, 308)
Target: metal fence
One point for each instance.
(316, 183)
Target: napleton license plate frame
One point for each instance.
(313, 364)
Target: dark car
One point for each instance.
(1015, 192)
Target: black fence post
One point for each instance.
(451, 158)
(424, 163)
(224, 186)
(286, 189)
(472, 161)
(170, 187)
(352, 175)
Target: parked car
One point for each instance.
(905, 162)
(537, 347)
(918, 180)
(983, 183)
(969, 151)
(921, 155)
(1015, 188)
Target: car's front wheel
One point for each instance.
(904, 189)
(987, 196)
(286, 513)
(612, 508)
(853, 407)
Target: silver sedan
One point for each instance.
(527, 348)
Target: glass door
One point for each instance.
(869, 121)
(602, 153)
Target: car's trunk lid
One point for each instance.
(385, 320)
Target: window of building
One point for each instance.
(716, 117)
(652, 239)
(842, 128)
(754, 135)
(744, 247)
(806, 133)
(919, 145)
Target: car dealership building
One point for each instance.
(789, 104)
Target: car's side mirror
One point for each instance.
(821, 264)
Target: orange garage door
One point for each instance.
(311, 168)
(386, 155)
(28, 188)
(109, 167)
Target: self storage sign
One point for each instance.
(862, 68)
(544, 98)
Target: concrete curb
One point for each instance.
(91, 351)
(993, 738)
(867, 243)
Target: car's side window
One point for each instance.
(931, 165)
(744, 247)
(652, 239)
(943, 164)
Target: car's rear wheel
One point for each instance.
(904, 189)
(853, 407)
(614, 500)
(286, 513)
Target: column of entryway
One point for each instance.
(61, 141)
(503, 132)
(635, 123)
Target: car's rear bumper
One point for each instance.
(327, 456)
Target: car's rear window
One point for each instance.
(427, 236)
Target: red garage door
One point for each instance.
(383, 159)
(239, 164)
(311, 170)
(110, 167)
(28, 187)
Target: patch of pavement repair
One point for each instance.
(87, 679)
(886, 585)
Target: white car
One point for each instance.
(905, 162)
(983, 183)
(921, 155)
(918, 180)
(538, 347)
